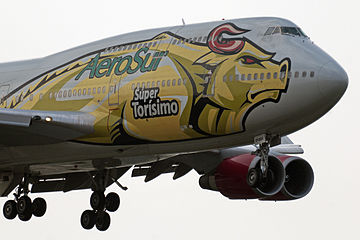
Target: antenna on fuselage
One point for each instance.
(183, 21)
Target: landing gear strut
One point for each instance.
(262, 174)
(100, 205)
(22, 206)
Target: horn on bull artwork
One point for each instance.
(226, 46)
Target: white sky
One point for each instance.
(167, 209)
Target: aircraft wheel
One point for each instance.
(112, 202)
(254, 177)
(25, 216)
(9, 209)
(102, 221)
(97, 200)
(39, 207)
(23, 206)
(88, 219)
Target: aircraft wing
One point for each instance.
(29, 127)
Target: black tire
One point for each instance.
(112, 202)
(88, 219)
(23, 206)
(254, 177)
(102, 221)
(10, 210)
(39, 207)
(25, 216)
(97, 200)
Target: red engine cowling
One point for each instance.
(299, 179)
(230, 178)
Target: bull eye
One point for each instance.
(249, 60)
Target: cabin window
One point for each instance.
(129, 47)
(243, 76)
(275, 75)
(134, 46)
(158, 83)
(174, 82)
(137, 85)
(74, 92)
(99, 90)
(132, 86)
(230, 78)
(262, 76)
(200, 38)
(94, 91)
(296, 74)
(50, 95)
(255, 76)
(289, 74)
(304, 74)
(224, 78)
(148, 84)
(268, 75)
(104, 89)
(60, 94)
(168, 83)
(249, 77)
(65, 94)
(312, 74)
(143, 85)
(237, 77)
(40, 96)
(152, 84)
(195, 39)
(163, 83)
(89, 91)
(139, 46)
(79, 92)
(179, 81)
(154, 44)
(69, 92)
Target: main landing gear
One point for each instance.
(22, 206)
(100, 205)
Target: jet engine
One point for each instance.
(230, 178)
(288, 178)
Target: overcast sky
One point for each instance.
(167, 209)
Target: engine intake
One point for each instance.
(230, 178)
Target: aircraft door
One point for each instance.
(113, 90)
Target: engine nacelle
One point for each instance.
(230, 178)
(299, 179)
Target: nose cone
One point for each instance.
(332, 81)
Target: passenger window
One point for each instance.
(275, 75)
(89, 91)
(60, 94)
(224, 78)
(249, 77)
(158, 84)
(179, 81)
(154, 44)
(312, 74)
(129, 47)
(296, 74)
(195, 39)
(94, 91)
(65, 93)
(152, 84)
(148, 84)
(230, 78)
(255, 76)
(138, 85)
(134, 46)
(243, 76)
(200, 38)
(174, 82)
(79, 92)
(74, 92)
(143, 85)
(132, 86)
(40, 96)
(99, 90)
(50, 95)
(289, 74)
(104, 89)
(168, 83)
(282, 75)
(304, 74)
(262, 76)
(69, 93)
(84, 91)
(139, 46)
(237, 78)
(268, 75)
(163, 83)
(55, 96)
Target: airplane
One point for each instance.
(219, 98)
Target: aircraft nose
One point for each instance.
(332, 80)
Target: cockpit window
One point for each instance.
(291, 31)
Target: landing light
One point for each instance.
(48, 119)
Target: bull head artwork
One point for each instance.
(237, 76)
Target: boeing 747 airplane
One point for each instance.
(217, 97)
